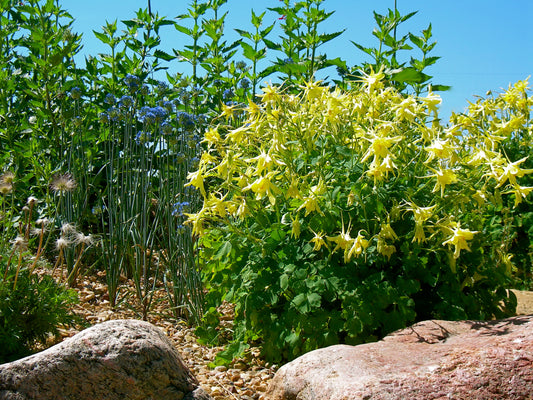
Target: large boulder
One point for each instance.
(121, 359)
(430, 360)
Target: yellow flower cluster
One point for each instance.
(299, 159)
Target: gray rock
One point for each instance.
(430, 360)
(121, 359)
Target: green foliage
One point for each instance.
(31, 310)
(334, 217)
(300, 42)
(385, 56)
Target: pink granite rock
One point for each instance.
(429, 360)
(115, 360)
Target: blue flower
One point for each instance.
(241, 65)
(160, 113)
(132, 82)
(185, 97)
(180, 208)
(145, 90)
(125, 101)
(162, 86)
(110, 99)
(194, 162)
(75, 93)
(142, 137)
(168, 105)
(114, 113)
(166, 128)
(180, 158)
(185, 120)
(104, 118)
(228, 94)
(244, 83)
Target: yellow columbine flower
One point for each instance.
(459, 240)
(311, 204)
(318, 240)
(431, 101)
(293, 191)
(264, 187)
(212, 137)
(407, 109)
(253, 108)
(295, 227)
(421, 214)
(228, 111)
(440, 149)
(196, 179)
(387, 232)
(373, 80)
(359, 245)
(420, 236)
(313, 90)
(513, 171)
(519, 193)
(264, 161)
(380, 145)
(385, 249)
(270, 94)
(197, 221)
(343, 241)
(243, 211)
(216, 204)
(381, 169)
(444, 177)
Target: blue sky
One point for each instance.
(484, 44)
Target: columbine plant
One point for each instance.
(335, 216)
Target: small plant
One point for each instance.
(32, 308)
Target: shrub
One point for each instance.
(31, 309)
(332, 217)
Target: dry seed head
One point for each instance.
(7, 178)
(20, 244)
(80, 238)
(63, 183)
(31, 201)
(62, 243)
(68, 229)
(44, 222)
(5, 188)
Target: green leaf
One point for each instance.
(271, 45)
(300, 303)
(183, 29)
(314, 300)
(440, 88)
(162, 55)
(223, 251)
(102, 37)
(410, 75)
(284, 282)
(233, 351)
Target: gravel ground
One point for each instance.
(247, 379)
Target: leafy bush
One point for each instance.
(31, 308)
(332, 217)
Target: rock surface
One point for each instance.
(120, 359)
(430, 360)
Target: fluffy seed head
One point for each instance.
(63, 183)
